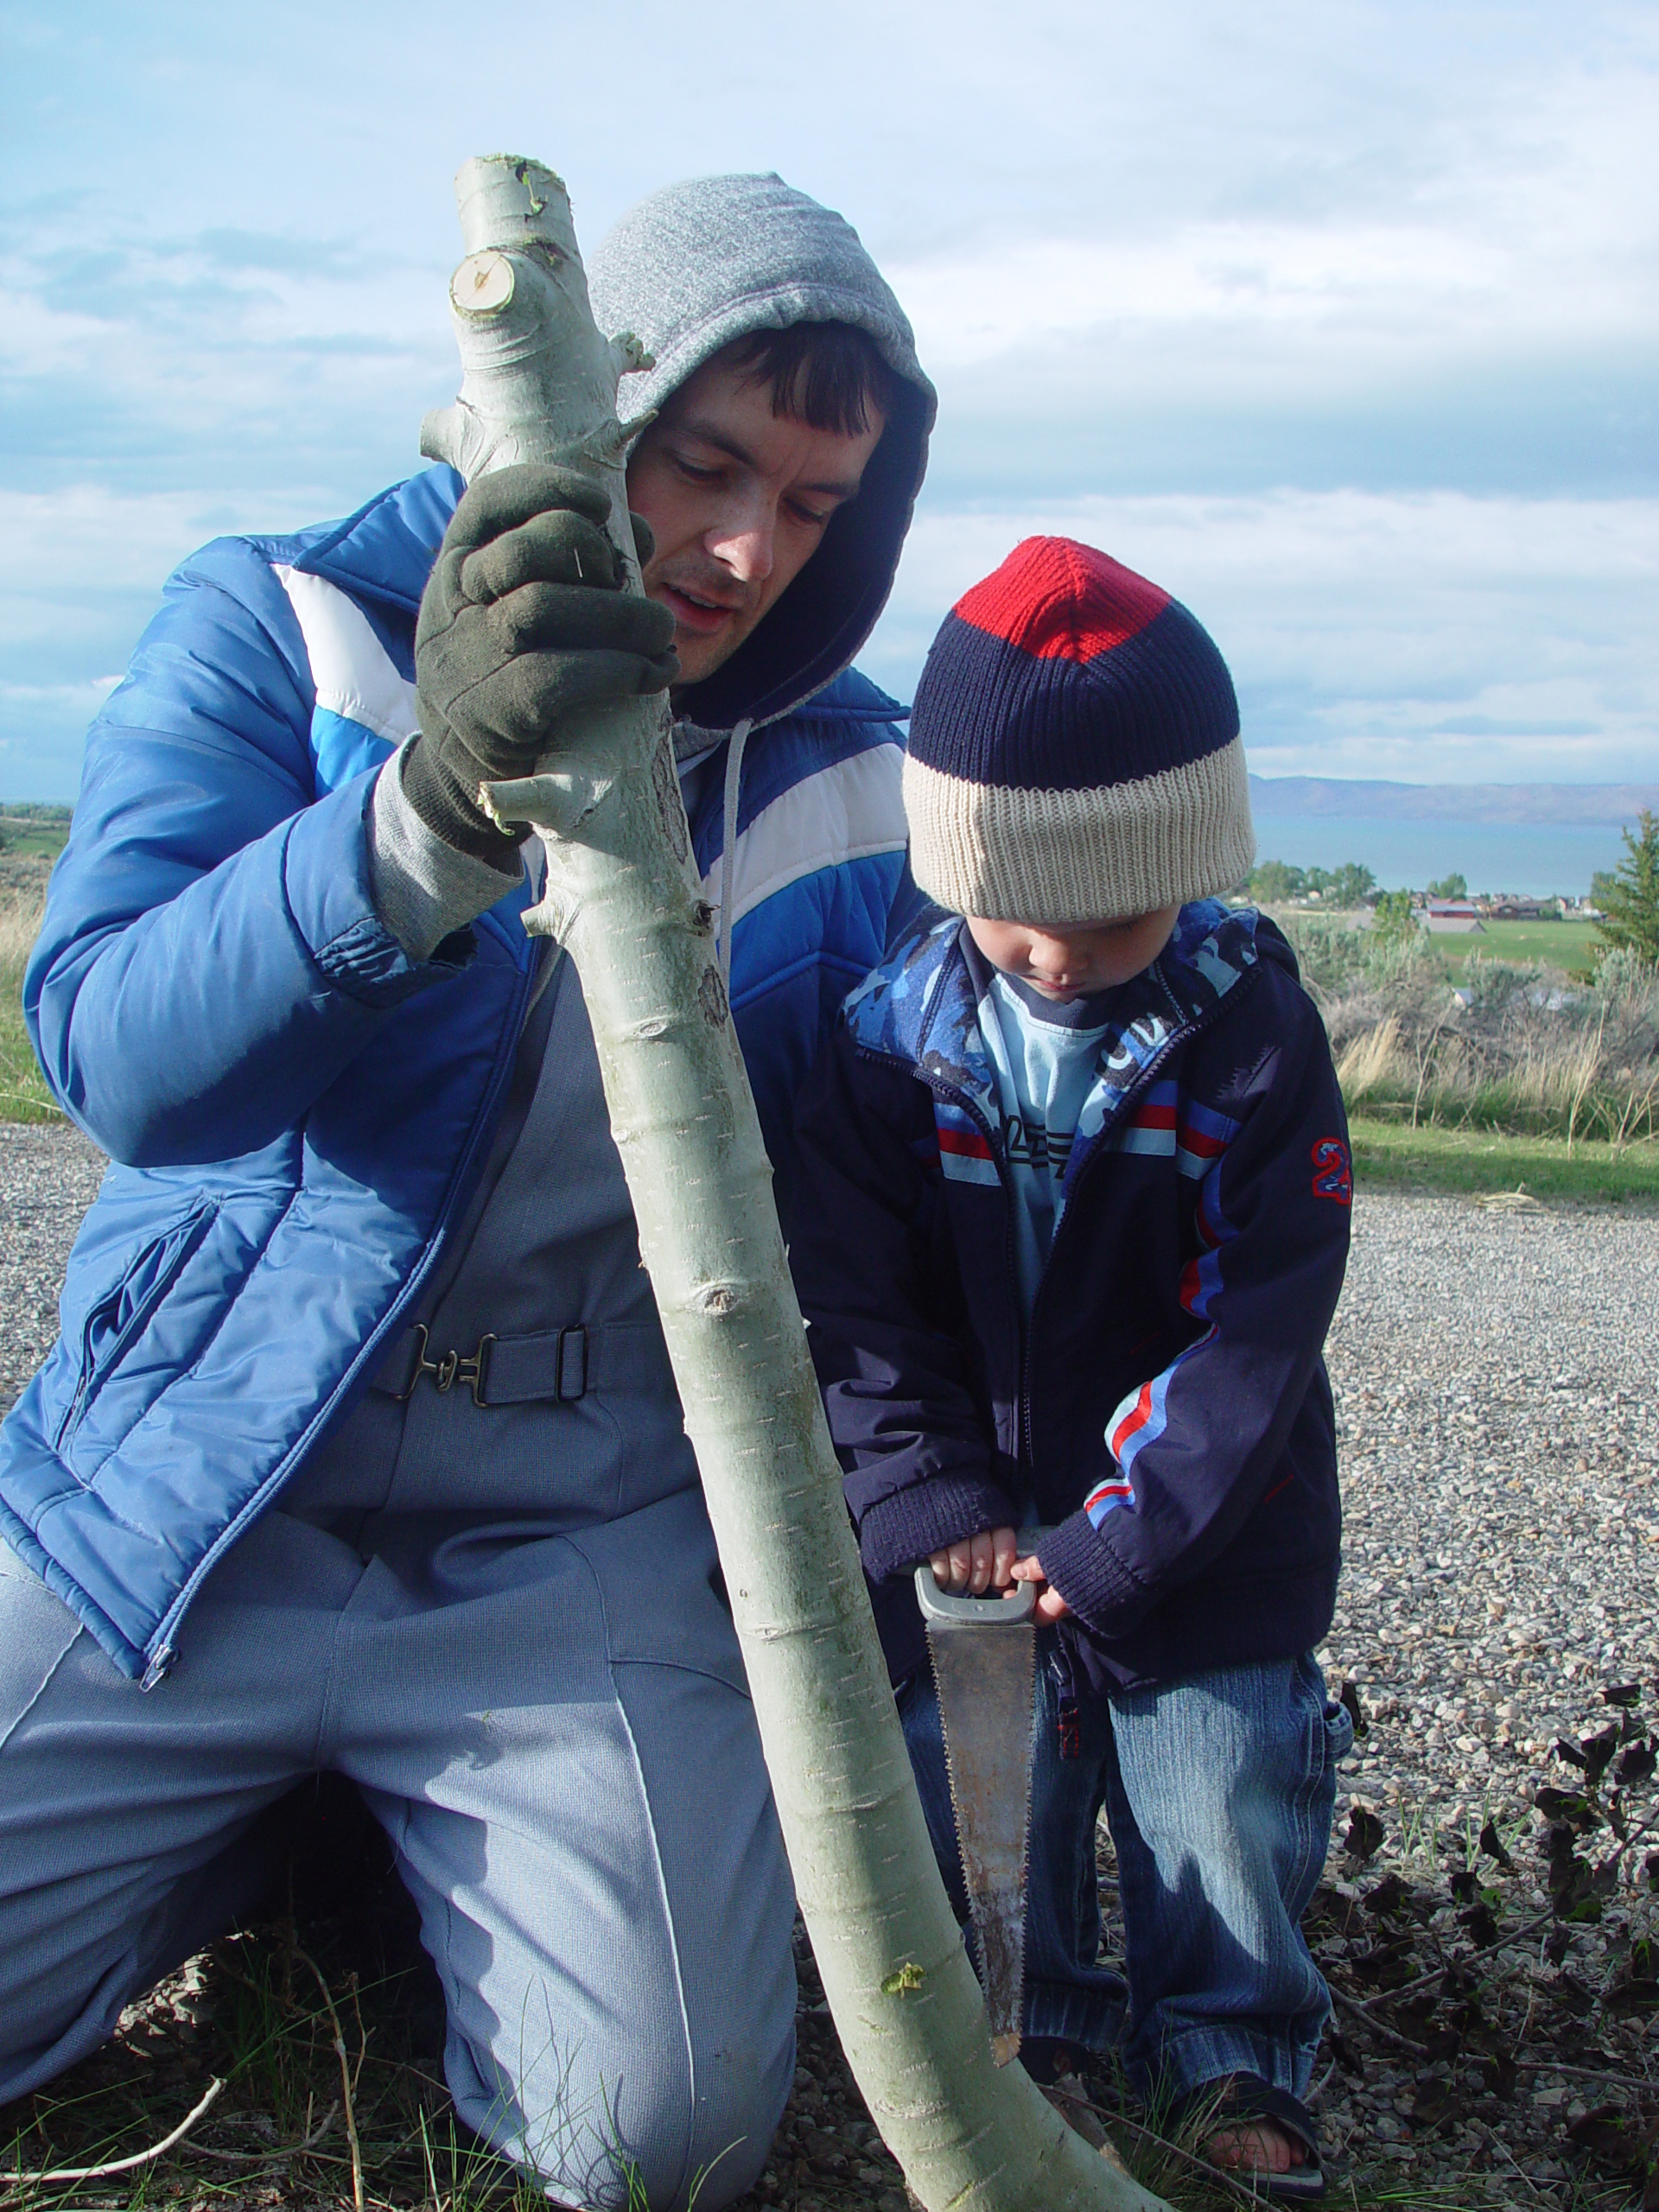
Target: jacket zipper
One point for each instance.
(1194, 1027)
(1189, 1027)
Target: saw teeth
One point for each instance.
(986, 1677)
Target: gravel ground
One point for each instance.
(48, 1177)
(1498, 1403)
(1497, 1398)
(1498, 1395)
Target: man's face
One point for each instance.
(738, 500)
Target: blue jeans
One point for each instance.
(1218, 1791)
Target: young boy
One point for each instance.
(1072, 1226)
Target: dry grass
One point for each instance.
(23, 1094)
(1513, 1051)
(20, 923)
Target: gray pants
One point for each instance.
(566, 1764)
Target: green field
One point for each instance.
(24, 1095)
(42, 830)
(1389, 1154)
(1571, 946)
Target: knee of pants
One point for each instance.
(1228, 1781)
(619, 2132)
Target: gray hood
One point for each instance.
(701, 264)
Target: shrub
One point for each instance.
(1394, 914)
(1517, 1050)
(1628, 897)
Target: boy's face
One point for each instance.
(1078, 960)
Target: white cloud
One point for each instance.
(1393, 243)
(1542, 235)
(1434, 637)
(90, 538)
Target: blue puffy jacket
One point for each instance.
(295, 1110)
(1166, 1405)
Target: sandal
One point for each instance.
(1241, 2099)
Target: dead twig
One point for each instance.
(123, 2165)
(1587, 2073)
(344, 2056)
(1378, 2027)
(1368, 2005)
(276, 2154)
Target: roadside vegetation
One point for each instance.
(1489, 1051)
(1525, 1056)
(26, 858)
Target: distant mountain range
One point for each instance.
(1587, 805)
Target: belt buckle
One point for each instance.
(449, 1369)
(422, 1366)
(473, 1368)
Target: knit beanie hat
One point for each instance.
(1074, 750)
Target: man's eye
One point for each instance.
(695, 470)
(815, 519)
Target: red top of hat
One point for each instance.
(1059, 600)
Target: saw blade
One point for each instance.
(986, 1678)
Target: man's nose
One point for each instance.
(743, 539)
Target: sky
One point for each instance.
(1340, 321)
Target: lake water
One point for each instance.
(1536, 860)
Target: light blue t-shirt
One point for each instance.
(1044, 1055)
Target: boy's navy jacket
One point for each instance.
(295, 1111)
(1168, 1407)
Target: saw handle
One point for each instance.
(943, 1610)
(996, 1611)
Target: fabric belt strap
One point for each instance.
(552, 1366)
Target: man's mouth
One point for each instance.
(695, 611)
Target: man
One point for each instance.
(359, 1448)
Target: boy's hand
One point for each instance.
(1050, 1606)
(975, 1564)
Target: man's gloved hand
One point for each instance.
(523, 621)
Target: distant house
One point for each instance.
(1452, 918)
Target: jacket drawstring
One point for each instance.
(728, 847)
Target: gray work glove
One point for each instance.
(523, 621)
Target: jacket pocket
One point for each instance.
(115, 1322)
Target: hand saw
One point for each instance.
(984, 1656)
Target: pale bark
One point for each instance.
(539, 384)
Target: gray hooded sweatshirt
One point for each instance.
(700, 265)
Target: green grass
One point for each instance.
(45, 834)
(1388, 1154)
(23, 1095)
(1569, 946)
